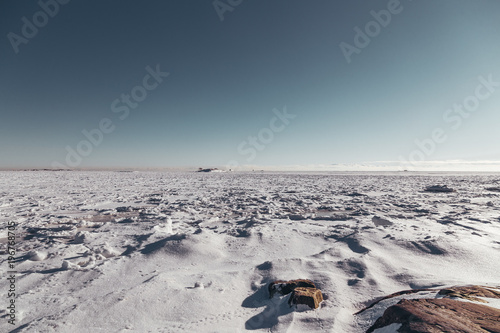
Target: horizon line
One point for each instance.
(373, 166)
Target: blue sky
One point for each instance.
(228, 79)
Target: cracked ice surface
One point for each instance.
(191, 252)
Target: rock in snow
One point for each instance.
(439, 316)
(455, 309)
(285, 287)
(439, 188)
(470, 293)
(379, 221)
(307, 296)
(302, 291)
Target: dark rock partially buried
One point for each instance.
(440, 315)
(302, 291)
(439, 188)
(285, 287)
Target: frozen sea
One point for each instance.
(107, 251)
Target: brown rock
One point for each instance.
(470, 293)
(308, 296)
(467, 292)
(285, 287)
(440, 315)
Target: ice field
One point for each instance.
(193, 252)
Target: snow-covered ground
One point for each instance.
(194, 252)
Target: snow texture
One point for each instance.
(194, 252)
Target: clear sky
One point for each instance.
(250, 82)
